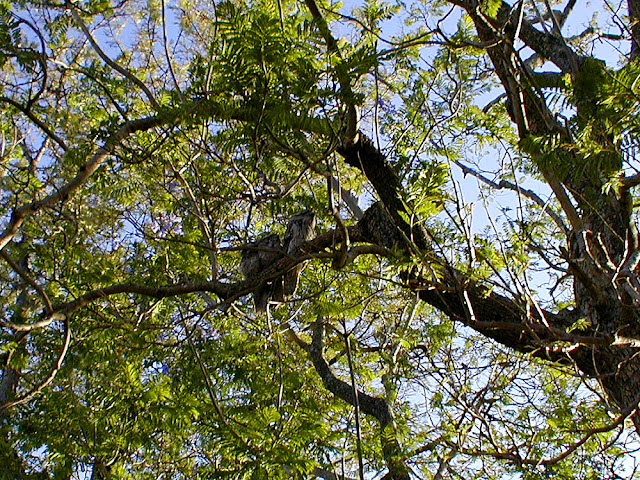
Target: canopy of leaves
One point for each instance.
(144, 146)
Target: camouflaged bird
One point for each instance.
(255, 259)
(263, 254)
(300, 229)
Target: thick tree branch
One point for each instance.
(503, 319)
(344, 78)
(327, 475)
(546, 44)
(374, 406)
(551, 47)
(364, 156)
(226, 291)
(630, 181)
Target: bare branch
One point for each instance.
(633, 7)
(504, 184)
(165, 43)
(374, 406)
(28, 327)
(350, 200)
(551, 47)
(121, 70)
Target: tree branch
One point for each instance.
(504, 184)
(518, 459)
(364, 156)
(502, 319)
(27, 278)
(42, 385)
(374, 406)
(327, 475)
(351, 132)
(39, 123)
(633, 7)
(630, 181)
(121, 70)
(20, 214)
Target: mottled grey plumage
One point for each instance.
(256, 259)
(259, 256)
(299, 230)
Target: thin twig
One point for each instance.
(123, 71)
(356, 405)
(166, 53)
(33, 392)
(504, 184)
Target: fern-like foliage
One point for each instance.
(620, 101)
(599, 107)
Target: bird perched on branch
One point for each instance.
(255, 259)
(299, 230)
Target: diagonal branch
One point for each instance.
(504, 184)
(504, 320)
(39, 123)
(24, 274)
(551, 47)
(121, 70)
(374, 406)
(20, 214)
(351, 132)
(461, 298)
(364, 156)
(42, 385)
(546, 44)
